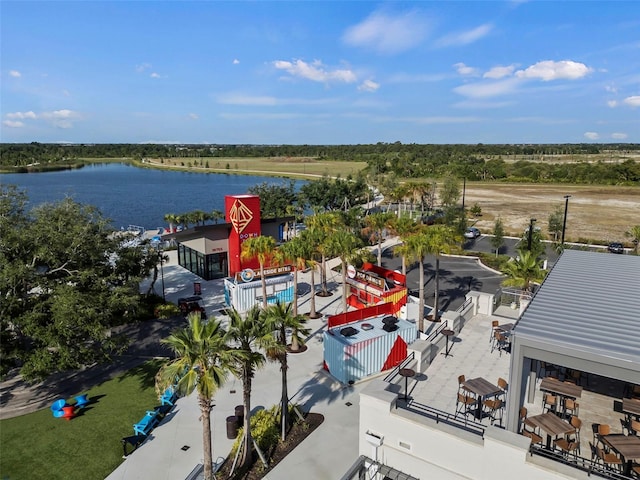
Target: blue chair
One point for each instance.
(146, 424)
(57, 406)
(168, 397)
(82, 401)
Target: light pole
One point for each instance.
(158, 246)
(531, 222)
(564, 222)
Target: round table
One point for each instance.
(447, 333)
(406, 373)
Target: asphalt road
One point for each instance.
(458, 276)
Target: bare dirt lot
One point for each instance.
(599, 214)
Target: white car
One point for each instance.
(472, 232)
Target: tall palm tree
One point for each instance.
(261, 248)
(440, 239)
(308, 241)
(280, 318)
(246, 338)
(403, 227)
(345, 245)
(216, 215)
(171, 218)
(634, 233)
(323, 225)
(416, 249)
(202, 362)
(375, 225)
(295, 251)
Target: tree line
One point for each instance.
(581, 163)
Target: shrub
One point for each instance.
(166, 310)
(264, 430)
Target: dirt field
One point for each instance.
(597, 213)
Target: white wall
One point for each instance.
(415, 444)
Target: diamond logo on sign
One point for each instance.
(240, 216)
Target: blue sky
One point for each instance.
(320, 72)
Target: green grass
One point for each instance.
(38, 446)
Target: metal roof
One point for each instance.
(589, 302)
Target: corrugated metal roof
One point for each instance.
(589, 301)
(375, 332)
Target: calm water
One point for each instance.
(130, 195)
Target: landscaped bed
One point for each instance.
(39, 446)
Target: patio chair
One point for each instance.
(168, 397)
(500, 342)
(68, 412)
(464, 404)
(494, 326)
(602, 430)
(634, 427)
(82, 401)
(534, 437)
(571, 407)
(568, 447)
(576, 423)
(549, 403)
(503, 385)
(523, 418)
(608, 460)
(57, 406)
(494, 407)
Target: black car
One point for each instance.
(191, 304)
(616, 247)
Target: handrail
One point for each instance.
(440, 416)
(435, 333)
(391, 375)
(466, 303)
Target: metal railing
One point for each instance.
(393, 373)
(581, 463)
(447, 418)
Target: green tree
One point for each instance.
(346, 246)
(634, 234)
(202, 363)
(523, 270)
(247, 338)
(416, 249)
(376, 223)
(403, 227)
(296, 251)
(171, 219)
(555, 222)
(261, 248)
(309, 240)
(280, 318)
(498, 235)
(65, 281)
(439, 239)
(450, 191)
(322, 226)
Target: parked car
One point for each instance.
(616, 247)
(191, 304)
(472, 232)
(433, 218)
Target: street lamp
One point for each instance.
(564, 222)
(531, 222)
(158, 247)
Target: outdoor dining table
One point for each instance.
(631, 406)
(628, 446)
(506, 327)
(482, 388)
(552, 425)
(553, 385)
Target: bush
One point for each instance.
(166, 310)
(264, 430)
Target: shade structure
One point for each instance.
(370, 350)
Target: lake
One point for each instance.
(130, 195)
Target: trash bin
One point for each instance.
(232, 427)
(240, 414)
(197, 288)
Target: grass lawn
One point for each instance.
(36, 445)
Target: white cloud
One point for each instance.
(387, 33)
(15, 73)
(466, 37)
(591, 135)
(22, 115)
(315, 71)
(13, 123)
(499, 72)
(488, 89)
(611, 89)
(465, 70)
(612, 103)
(60, 114)
(142, 67)
(417, 78)
(368, 86)
(194, 116)
(239, 99)
(155, 75)
(236, 61)
(619, 136)
(549, 70)
(633, 101)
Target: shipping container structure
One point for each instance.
(372, 285)
(242, 295)
(356, 350)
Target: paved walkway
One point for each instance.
(327, 453)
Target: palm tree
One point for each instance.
(376, 223)
(323, 225)
(261, 247)
(307, 240)
(216, 215)
(524, 270)
(403, 227)
(295, 250)
(440, 239)
(416, 249)
(202, 362)
(246, 338)
(280, 318)
(171, 218)
(345, 245)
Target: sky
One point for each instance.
(332, 72)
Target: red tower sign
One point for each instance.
(243, 213)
